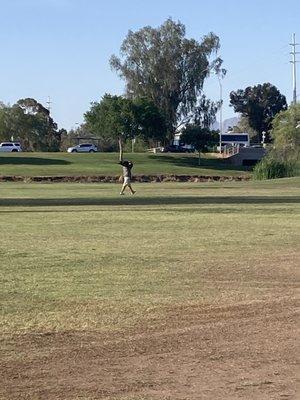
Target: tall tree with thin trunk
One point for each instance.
(164, 66)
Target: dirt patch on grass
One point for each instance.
(246, 351)
(116, 179)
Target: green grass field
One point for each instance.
(180, 291)
(80, 257)
(32, 164)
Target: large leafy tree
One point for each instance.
(259, 104)
(167, 68)
(13, 122)
(31, 123)
(112, 117)
(118, 118)
(43, 132)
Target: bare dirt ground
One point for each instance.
(247, 351)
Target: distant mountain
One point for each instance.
(227, 123)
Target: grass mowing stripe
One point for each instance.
(47, 164)
(105, 266)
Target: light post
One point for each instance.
(221, 107)
(221, 113)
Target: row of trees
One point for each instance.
(118, 117)
(164, 74)
(29, 122)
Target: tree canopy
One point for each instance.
(167, 68)
(118, 118)
(259, 104)
(29, 122)
(112, 117)
(149, 120)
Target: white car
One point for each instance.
(10, 147)
(83, 148)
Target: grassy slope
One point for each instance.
(31, 164)
(81, 257)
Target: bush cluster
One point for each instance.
(269, 168)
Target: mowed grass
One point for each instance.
(80, 257)
(33, 164)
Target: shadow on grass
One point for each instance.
(222, 209)
(32, 161)
(148, 201)
(192, 162)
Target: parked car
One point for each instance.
(10, 147)
(83, 148)
(174, 148)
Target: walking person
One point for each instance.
(127, 176)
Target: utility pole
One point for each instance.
(294, 62)
(221, 112)
(49, 104)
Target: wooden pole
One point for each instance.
(121, 150)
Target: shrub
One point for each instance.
(269, 168)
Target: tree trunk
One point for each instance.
(121, 150)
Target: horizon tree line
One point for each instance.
(164, 73)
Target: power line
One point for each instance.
(294, 62)
(256, 60)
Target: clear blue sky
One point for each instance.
(61, 48)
